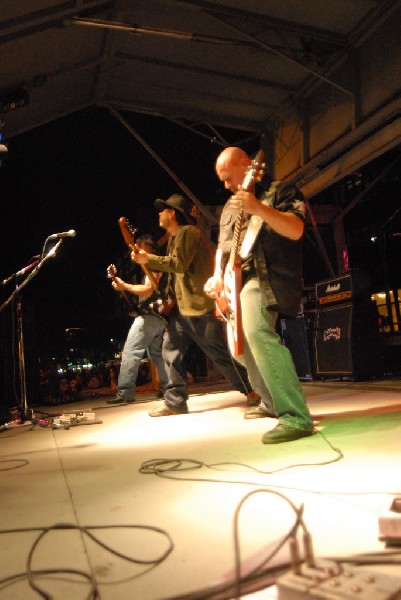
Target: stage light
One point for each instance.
(13, 99)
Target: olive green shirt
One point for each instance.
(190, 261)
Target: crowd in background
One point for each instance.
(58, 386)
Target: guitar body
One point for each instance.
(221, 305)
(233, 272)
(163, 307)
(235, 331)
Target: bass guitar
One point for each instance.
(228, 304)
(161, 306)
(133, 308)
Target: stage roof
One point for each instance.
(231, 63)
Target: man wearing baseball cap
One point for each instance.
(189, 263)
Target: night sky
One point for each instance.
(84, 172)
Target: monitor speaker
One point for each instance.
(347, 342)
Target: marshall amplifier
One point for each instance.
(353, 285)
(347, 341)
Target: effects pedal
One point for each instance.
(390, 524)
(67, 420)
(329, 580)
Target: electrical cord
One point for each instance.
(93, 593)
(166, 468)
(263, 576)
(21, 462)
(299, 521)
(259, 577)
(161, 467)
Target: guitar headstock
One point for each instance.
(111, 271)
(255, 172)
(128, 231)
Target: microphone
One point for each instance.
(63, 234)
(27, 268)
(21, 272)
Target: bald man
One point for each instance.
(271, 265)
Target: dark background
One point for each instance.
(83, 172)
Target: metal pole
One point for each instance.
(209, 216)
(26, 413)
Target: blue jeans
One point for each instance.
(208, 333)
(269, 363)
(145, 334)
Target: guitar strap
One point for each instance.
(256, 222)
(169, 289)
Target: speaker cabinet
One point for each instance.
(293, 334)
(347, 342)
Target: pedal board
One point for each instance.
(67, 420)
(329, 580)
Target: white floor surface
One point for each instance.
(175, 530)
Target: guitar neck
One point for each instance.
(234, 254)
(124, 295)
(146, 270)
(112, 275)
(128, 233)
(252, 174)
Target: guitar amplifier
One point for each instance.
(353, 285)
(347, 341)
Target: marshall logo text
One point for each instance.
(333, 288)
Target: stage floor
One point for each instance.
(172, 495)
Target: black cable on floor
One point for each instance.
(93, 593)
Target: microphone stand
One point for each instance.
(26, 413)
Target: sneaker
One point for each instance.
(285, 433)
(118, 400)
(253, 398)
(258, 412)
(166, 411)
(159, 394)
